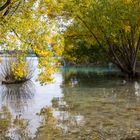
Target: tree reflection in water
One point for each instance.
(97, 107)
(17, 96)
(48, 129)
(63, 126)
(13, 128)
(5, 122)
(14, 99)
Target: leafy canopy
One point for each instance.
(25, 26)
(112, 24)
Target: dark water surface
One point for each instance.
(82, 104)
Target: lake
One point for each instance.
(84, 103)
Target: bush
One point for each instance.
(16, 70)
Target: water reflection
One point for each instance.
(91, 77)
(5, 122)
(74, 81)
(80, 105)
(24, 102)
(15, 99)
(67, 120)
(137, 88)
(17, 96)
(13, 128)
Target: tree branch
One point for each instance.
(89, 30)
(136, 53)
(117, 60)
(5, 5)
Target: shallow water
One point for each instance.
(82, 104)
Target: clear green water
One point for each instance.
(82, 104)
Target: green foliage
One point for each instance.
(112, 24)
(79, 52)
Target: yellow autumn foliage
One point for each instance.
(127, 28)
(19, 70)
(25, 26)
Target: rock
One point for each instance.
(75, 131)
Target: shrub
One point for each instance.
(16, 70)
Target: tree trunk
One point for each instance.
(126, 65)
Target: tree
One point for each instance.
(24, 25)
(79, 52)
(113, 24)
